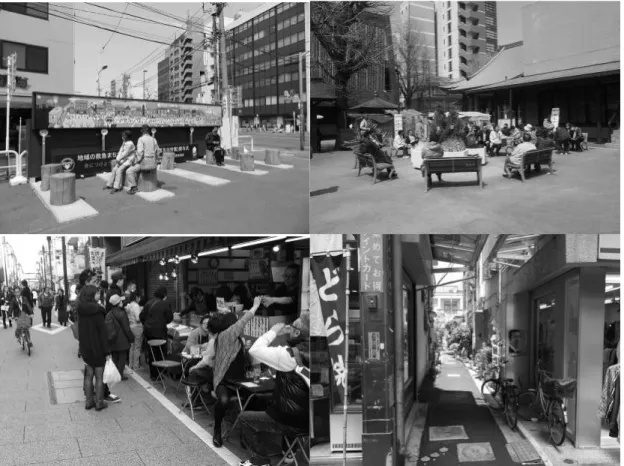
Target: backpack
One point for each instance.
(111, 326)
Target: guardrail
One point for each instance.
(18, 178)
(244, 136)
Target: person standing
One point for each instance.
(94, 346)
(61, 307)
(133, 310)
(213, 146)
(117, 282)
(27, 294)
(34, 296)
(47, 302)
(147, 150)
(155, 316)
(120, 345)
(5, 300)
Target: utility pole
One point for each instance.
(4, 262)
(43, 266)
(216, 80)
(66, 283)
(11, 67)
(301, 104)
(50, 261)
(144, 89)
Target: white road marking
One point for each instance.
(153, 196)
(231, 168)
(64, 213)
(200, 178)
(283, 166)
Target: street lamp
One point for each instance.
(98, 78)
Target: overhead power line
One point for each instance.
(117, 27)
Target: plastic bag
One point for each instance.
(111, 374)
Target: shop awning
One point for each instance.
(514, 250)
(375, 104)
(457, 249)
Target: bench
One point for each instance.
(469, 164)
(533, 157)
(326, 132)
(367, 160)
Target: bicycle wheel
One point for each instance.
(511, 408)
(492, 393)
(28, 345)
(556, 421)
(22, 340)
(527, 405)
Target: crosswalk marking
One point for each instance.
(64, 213)
(200, 178)
(50, 331)
(153, 196)
(282, 166)
(232, 168)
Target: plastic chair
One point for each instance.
(164, 365)
(298, 444)
(193, 391)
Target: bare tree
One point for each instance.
(415, 71)
(348, 43)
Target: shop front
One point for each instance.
(368, 360)
(561, 309)
(229, 271)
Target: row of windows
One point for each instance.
(292, 39)
(29, 57)
(474, 6)
(266, 15)
(36, 10)
(268, 100)
(465, 49)
(300, 18)
(474, 21)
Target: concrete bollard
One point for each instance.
(272, 157)
(247, 162)
(46, 172)
(234, 153)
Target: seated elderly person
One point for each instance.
(289, 413)
(202, 371)
(515, 159)
(544, 141)
(576, 137)
(199, 336)
(370, 145)
(399, 144)
(531, 130)
(433, 150)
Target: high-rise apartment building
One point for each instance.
(416, 23)
(163, 79)
(466, 37)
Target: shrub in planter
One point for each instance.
(483, 362)
(449, 130)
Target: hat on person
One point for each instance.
(115, 299)
(528, 127)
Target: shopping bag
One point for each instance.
(111, 374)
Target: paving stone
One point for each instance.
(68, 383)
(479, 451)
(130, 458)
(11, 434)
(127, 441)
(69, 395)
(114, 410)
(12, 406)
(133, 424)
(67, 375)
(166, 456)
(80, 429)
(40, 452)
(444, 433)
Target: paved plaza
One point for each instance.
(195, 197)
(582, 197)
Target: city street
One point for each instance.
(200, 198)
(583, 196)
(40, 423)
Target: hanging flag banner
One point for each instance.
(330, 277)
(97, 259)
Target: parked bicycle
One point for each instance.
(549, 402)
(502, 394)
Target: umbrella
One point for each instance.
(375, 104)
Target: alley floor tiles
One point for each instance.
(480, 451)
(445, 433)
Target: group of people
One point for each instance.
(133, 159)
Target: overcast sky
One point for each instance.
(27, 249)
(123, 53)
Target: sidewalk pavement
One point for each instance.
(276, 201)
(583, 196)
(137, 431)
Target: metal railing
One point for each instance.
(19, 177)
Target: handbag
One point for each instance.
(111, 374)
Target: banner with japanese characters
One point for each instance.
(330, 277)
(97, 259)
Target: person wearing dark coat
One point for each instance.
(60, 302)
(121, 344)
(115, 288)
(27, 294)
(94, 346)
(155, 316)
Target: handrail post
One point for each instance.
(18, 178)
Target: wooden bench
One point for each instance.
(469, 164)
(367, 160)
(533, 157)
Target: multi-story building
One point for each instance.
(448, 300)
(163, 79)
(263, 50)
(416, 23)
(466, 37)
(113, 88)
(44, 45)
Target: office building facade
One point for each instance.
(466, 37)
(263, 48)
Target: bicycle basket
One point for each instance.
(559, 388)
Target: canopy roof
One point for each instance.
(375, 104)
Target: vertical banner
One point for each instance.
(330, 277)
(97, 259)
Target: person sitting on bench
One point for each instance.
(433, 150)
(399, 144)
(515, 159)
(147, 148)
(576, 138)
(369, 145)
(124, 160)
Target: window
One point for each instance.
(450, 305)
(475, 50)
(462, 46)
(475, 36)
(36, 10)
(29, 57)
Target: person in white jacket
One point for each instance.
(400, 144)
(125, 158)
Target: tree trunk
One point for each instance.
(342, 103)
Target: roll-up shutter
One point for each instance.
(154, 282)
